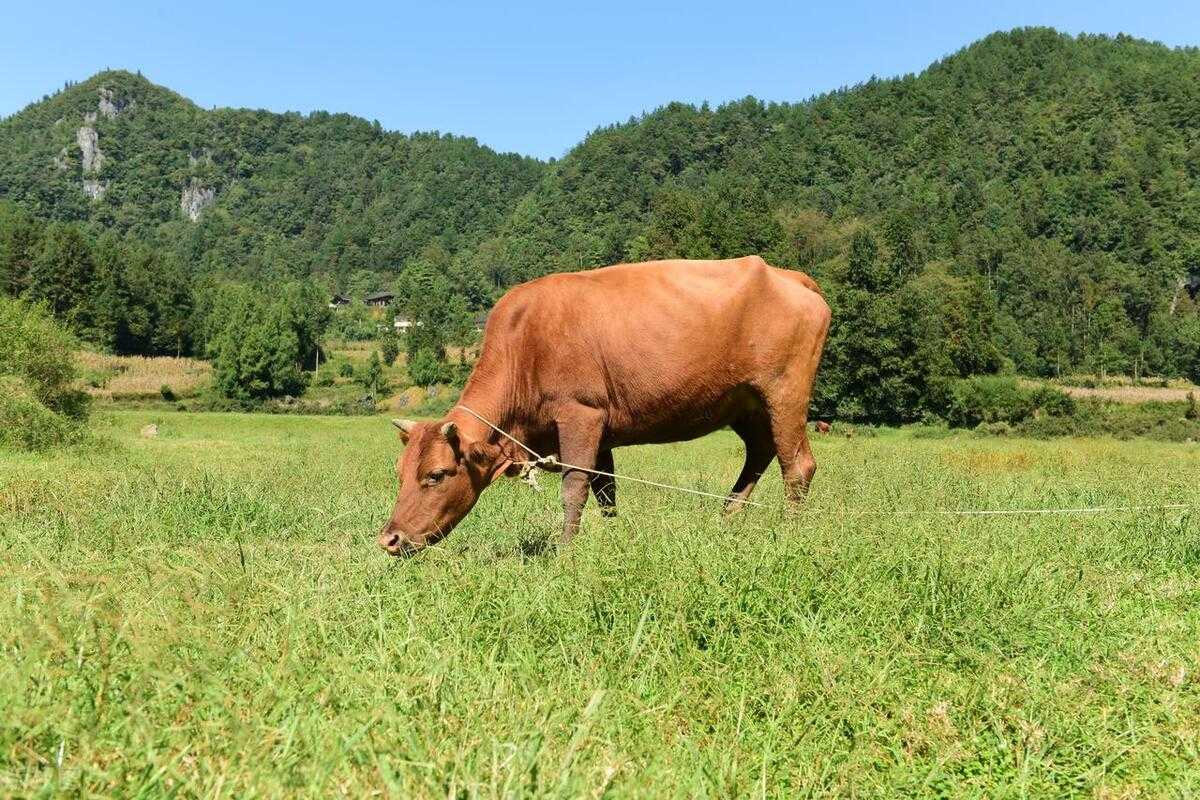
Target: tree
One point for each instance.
(390, 347)
(256, 351)
(439, 317)
(20, 241)
(424, 368)
(62, 276)
(371, 375)
(1031, 166)
(864, 271)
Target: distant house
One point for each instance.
(402, 323)
(339, 301)
(380, 299)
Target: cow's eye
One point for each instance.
(435, 476)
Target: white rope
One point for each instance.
(540, 462)
(1009, 511)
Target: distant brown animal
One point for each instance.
(823, 427)
(578, 364)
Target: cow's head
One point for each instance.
(441, 475)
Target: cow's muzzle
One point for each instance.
(394, 543)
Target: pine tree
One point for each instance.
(62, 276)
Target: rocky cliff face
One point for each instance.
(110, 106)
(195, 199)
(90, 156)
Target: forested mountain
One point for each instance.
(252, 193)
(1060, 172)
(1030, 203)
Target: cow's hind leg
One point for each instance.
(760, 449)
(605, 486)
(796, 461)
(787, 400)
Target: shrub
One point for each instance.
(345, 370)
(371, 374)
(39, 405)
(1094, 417)
(390, 348)
(26, 424)
(354, 324)
(342, 407)
(990, 399)
(932, 431)
(1191, 412)
(424, 368)
(993, 429)
(167, 393)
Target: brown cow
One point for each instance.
(577, 364)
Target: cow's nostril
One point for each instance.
(390, 539)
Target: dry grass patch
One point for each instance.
(139, 377)
(1122, 389)
(1133, 394)
(985, 462)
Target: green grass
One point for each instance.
(206, 614)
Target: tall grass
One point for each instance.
(140, 377)
(1123, 388)
(205, 614)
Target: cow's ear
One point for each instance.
(482, 454)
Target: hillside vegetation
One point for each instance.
(1054, 176)
(40, 406)
(290, 193)
(1028, 204)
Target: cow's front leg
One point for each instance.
(580, 431)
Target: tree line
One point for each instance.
(122, 296)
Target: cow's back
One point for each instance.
(669, 349)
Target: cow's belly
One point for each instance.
(678, 417)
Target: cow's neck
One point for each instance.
(491, 399)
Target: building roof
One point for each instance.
(383, 295)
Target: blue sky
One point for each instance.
(527, 77)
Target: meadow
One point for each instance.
(205, 614)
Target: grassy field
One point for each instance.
(205, 614)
